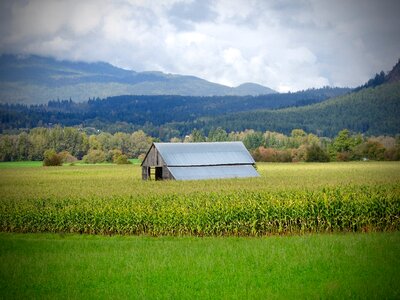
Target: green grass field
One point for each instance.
(314, 206)
(20, 164)
(24, 164)
(340, 266)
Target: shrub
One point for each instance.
(94, 156)
(315, 153)
(121, 160)
(299, 154)
(111, 154)
(392, 154)
(343, 156)
(116, 156)
(374, 150)
(272, 155)
(67, 157)
(51, 158)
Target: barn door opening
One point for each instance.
(158, 173)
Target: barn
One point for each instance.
(195, 161)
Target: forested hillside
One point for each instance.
(372, 111)
(137, 111)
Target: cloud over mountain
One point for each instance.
(285, 45)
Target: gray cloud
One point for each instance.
(285, 45)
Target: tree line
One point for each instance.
(31, 145)
(130, 112)
(73, 144)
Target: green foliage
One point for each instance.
(122, 160)
(217, 135)
(31, 145)
(345, 142)
(197, 136)
(372, 150)
(344, 147)
(51, 158)
(94, 156)
(253, 140)
(119, 158)
(298, 133)
(315, 153)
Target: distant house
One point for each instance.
(195, 161)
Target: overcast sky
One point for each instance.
(285, 45)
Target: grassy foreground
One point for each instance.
(340, 266)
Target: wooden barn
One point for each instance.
(195, 161)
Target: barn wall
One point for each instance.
(153, 158)
(166, 173)
(145, 173)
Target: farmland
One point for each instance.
(320, 209)
(339, 266)
(286, 199)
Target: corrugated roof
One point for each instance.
(204, 154)
(213, 172)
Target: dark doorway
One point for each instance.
(158, 173)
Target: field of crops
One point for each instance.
(286, 199)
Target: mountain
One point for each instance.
(35, 79)
(254, 89)
(394, 74)
(371, 111)
(136, 110)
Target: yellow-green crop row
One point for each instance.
(285, 199)
(351, 208)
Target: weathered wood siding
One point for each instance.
(145, 173)
(166, 173)
(153, 158)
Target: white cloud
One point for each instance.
(285, 45)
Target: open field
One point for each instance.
(20, 164)
(36, 164)
(339, 266)
(286, 199)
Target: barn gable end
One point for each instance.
(192, 161)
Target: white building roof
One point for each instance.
(204, 154)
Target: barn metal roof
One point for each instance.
(204, 154)
(213, 172)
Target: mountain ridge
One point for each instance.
(371, 111)
(36, 79)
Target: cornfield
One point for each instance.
(216, 212)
